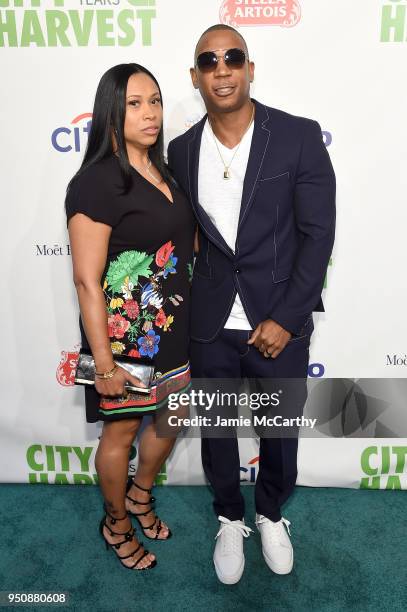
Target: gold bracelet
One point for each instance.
(108, 374)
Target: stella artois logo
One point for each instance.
(237, 13)
(66, 370)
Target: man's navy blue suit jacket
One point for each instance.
(285, 232)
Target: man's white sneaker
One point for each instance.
(277, 549)
(228, 556)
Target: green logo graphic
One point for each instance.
(161, 476)
(69, 465)
(47, 23)
(394, 21)
(376, 462)
(55, 464)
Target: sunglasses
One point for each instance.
(208, 61)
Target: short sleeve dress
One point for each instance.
(146, 280)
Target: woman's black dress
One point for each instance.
(146, 280)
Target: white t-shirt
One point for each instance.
(221, 199)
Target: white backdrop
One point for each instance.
(340, 62)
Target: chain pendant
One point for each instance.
(226, 174)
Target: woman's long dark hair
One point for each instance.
(109, 112)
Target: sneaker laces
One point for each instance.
(274, 529)
(232, 532)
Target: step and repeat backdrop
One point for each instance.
(340, 62)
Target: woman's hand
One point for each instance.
(114, 387)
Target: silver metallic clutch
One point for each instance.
(143, 369)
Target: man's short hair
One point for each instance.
(221, 26)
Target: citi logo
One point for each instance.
(250, 472)
(73, 137)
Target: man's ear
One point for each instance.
(251, 71)
(194, 79)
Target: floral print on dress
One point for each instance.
(137, 309)
(149, 344)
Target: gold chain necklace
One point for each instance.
(147, 167)
(157, 180)
(226, 173)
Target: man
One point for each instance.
(263, 190)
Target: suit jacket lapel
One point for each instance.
(212, 233)
(260, 140)
(194, 145)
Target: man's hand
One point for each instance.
(270, 338)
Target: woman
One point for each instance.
(131, 233)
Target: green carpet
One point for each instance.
(349, 553)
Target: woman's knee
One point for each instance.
(121, 432)
(170, 423)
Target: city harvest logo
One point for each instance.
(394, 21)
(47, 23)
(65, 139)
(60, 464)
(240, 13)
(66, 368)
(385, 466)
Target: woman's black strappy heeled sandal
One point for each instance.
(128, 537)
(157, 524)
